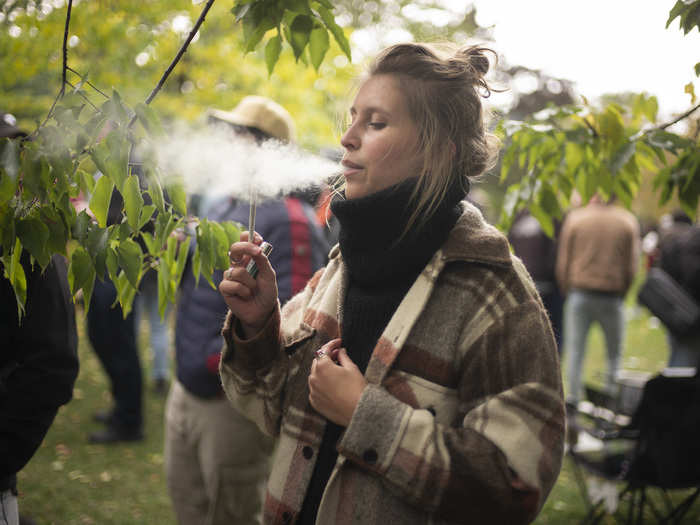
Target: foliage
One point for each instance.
(577, 148)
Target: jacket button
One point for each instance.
(307, 451)
(370, 456)
(286, 517)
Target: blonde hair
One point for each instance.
(443, 85)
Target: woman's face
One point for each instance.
(381, 142)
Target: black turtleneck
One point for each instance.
(381, 266)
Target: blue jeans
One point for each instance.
(581, 309)
(114, 340)
(147, 304)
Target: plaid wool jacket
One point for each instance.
(463, 417)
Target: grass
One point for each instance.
(70, 482)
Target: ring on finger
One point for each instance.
(321, 353)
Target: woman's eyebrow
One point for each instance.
(369, 110)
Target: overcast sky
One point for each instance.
(604, 46)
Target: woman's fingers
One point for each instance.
(241, 252)
(229, 288)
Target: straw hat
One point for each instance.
(261, 113)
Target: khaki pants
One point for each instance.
(216, 461)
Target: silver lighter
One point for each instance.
(252, 268)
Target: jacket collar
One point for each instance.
(472, 239)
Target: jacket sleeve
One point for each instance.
(254, 371)
(499, 462)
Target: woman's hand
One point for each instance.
(335, 383)
(251, 300)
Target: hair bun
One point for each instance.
(476, 57)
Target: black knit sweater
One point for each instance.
(381, 271)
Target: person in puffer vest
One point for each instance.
(416, 378)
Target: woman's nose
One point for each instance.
(350, 140)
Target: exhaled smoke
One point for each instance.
(216, 162)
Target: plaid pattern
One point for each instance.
(463, 417)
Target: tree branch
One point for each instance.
(84, 97)
(177, 58)
(65, 47)
(678, 119)
(64, 70)
(87, 82)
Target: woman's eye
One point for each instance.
(377, 125)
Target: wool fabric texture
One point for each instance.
(382, 265)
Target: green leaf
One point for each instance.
(256, 33)
(233, 231)
(99, 202)
(130, 260)
(118, 158)
(206, 249)
(147, 116)
(182, 253)
(58, 234)
(112, 261)
(623, 154)
(611, 125)
(149, 241)
(178, 198)
(163, 287)
(14, 272)
(335, 29)
(272, 52)
(196, 265)
(34, 235)
(697, 69)
(165, 224)
(298, 6)
(125, 293)
(81, 270)
(146, 214)
(86, 182)
(318, 45)
(97, 248)
(221, 246)
(677, 10)
(133, 201)
(300, 30)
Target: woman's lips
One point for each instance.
(350, 167)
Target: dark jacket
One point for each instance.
(680, 258)
(299, 249)
(38, 363)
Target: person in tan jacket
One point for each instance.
(597, 260)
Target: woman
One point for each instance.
(415, 379)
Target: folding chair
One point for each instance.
(657, 450)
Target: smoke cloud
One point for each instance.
(215, 161)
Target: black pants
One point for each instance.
(114, 340)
